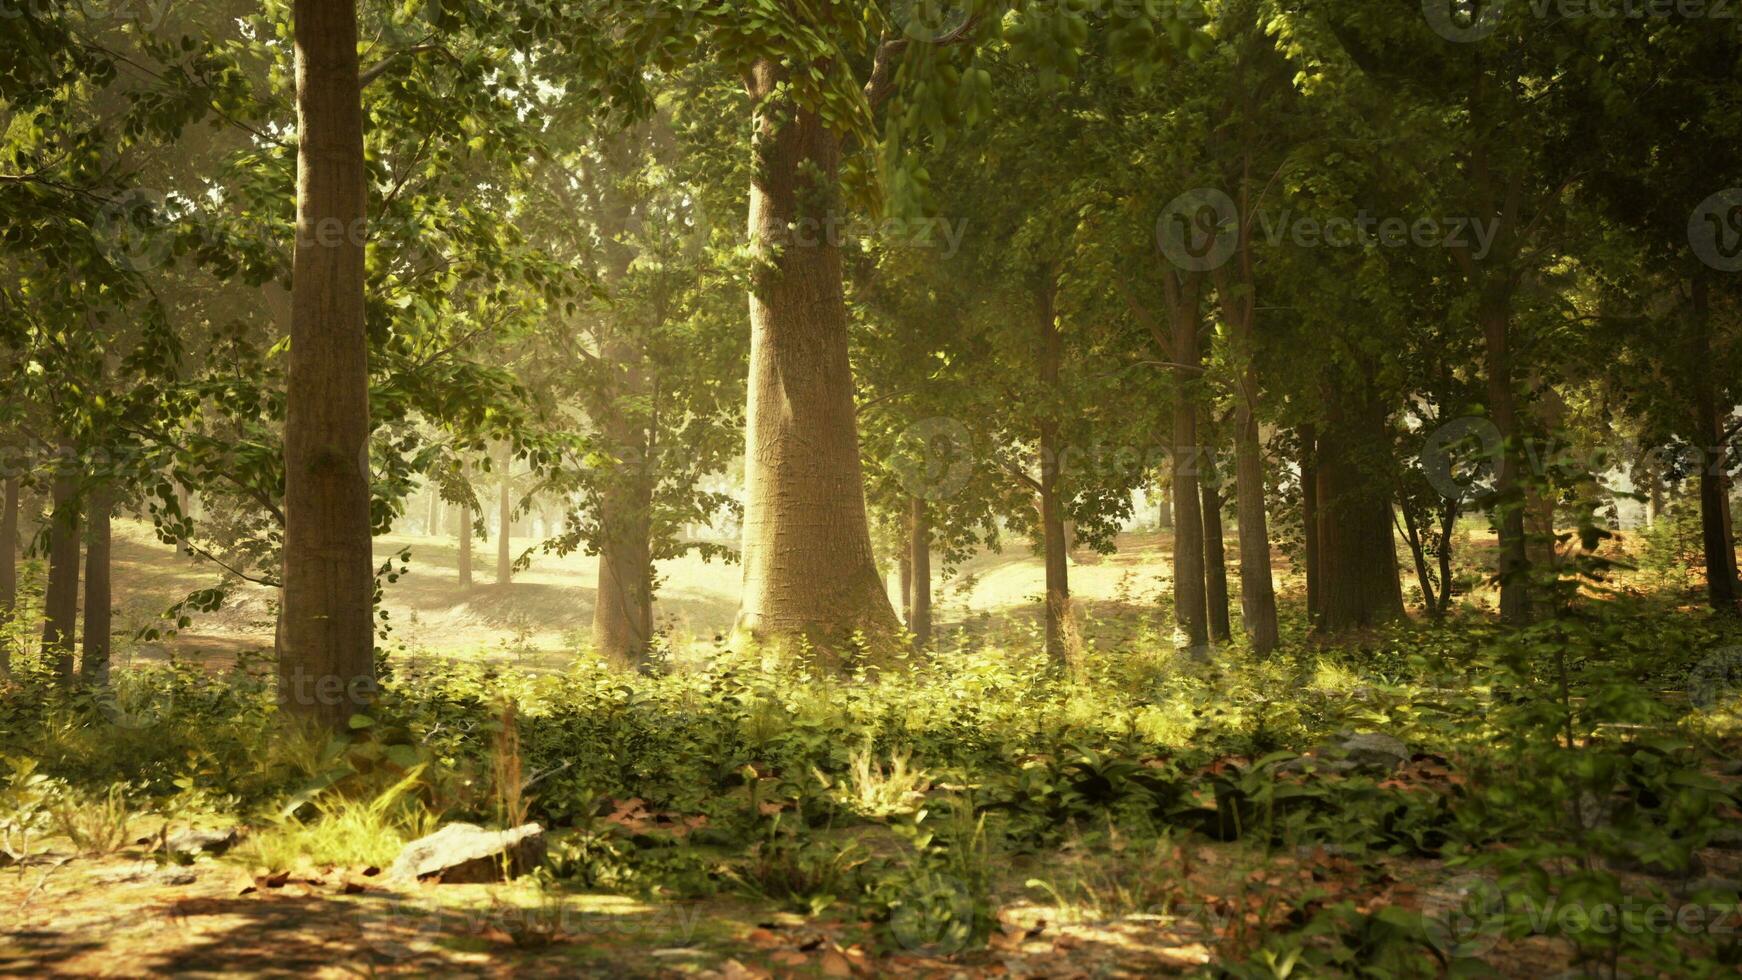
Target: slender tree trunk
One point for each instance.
(465, 534)
(904, 575)
(808, 566)
(919, 559)
(8, 560)
(433, 514)
(1723, 591)
(61, 596)
(505, 520)
(94, 669)
(1191, 604)
(1257, 590)
(327, 667)
(184, 502)
(1358, 567)
(1495, 314)
(1309, 518)
(1215, 557)
(1414, 536)
(1060, 627)
(1164, 507)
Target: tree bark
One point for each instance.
(1191, 604)
(327, 666)
(1055, 538)
(505, 520)
(465, 534)
(1723, 591)
(1215, 557)
(99, 611)
(8, 560)
(1309, 518)
(61, 595)
(1358, 564)
(904, 575)
(623, 615)
(808, 566)
(919, 561)
(1257, 590)
(1495, 313)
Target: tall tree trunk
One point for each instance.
(99, 613)
(433, 514)
(808, 566)
(1215, 557)
(1055, 537)
(505, 519)
(1723, 591)
(1309, 519)
(326, 669)
(1257, 590)
(919, 560)
(623, 615)
(8, 560)
(1164, 507)
(61, 596)
(904, 575)
(465, 533)
(1495, 313)
(1358, 564)
(1191, 604)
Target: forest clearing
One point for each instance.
(857, 488)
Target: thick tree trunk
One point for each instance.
(1723, 591)
(327, 666)
(465, 534)
(623, 615)
(505, 519)
(1191, 608)
(919, 562)
(1495, 314)
(1309, 517)
(61, 595)
(808, 566)
(1358, 555)
(99, 613)
(1215, 557)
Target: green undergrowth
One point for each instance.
(1560, 759)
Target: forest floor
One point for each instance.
(976, 815)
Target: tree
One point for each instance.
(326, 663)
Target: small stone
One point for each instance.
(1374, 751)
(202, 841)
(464, 853)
